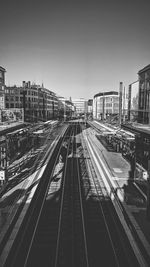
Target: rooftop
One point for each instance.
(2, 69)
(106, 93)
(144, 69)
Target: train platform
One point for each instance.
(134, 202)
(11, 126)
(138, 127)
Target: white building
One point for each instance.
(105, 104)
(80, 105)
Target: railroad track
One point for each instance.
(14, 253)
(71, 247)
(107, 242)
(75, 226)
(137, 251)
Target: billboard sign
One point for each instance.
(12, 115)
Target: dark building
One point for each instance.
(140, 104)
(144, 95)
(39, 104)
(90, 108)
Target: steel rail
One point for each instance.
(120, 211)
(82, 210)
(141, 241)
(77, 230)
(12, 218)
(43, 203)
(98, 186)
(100, 195)
(107, 211)
(4, 235)
(62, 202)
(14, 252)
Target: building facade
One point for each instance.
(39, 104)
(144, 95)
(105, 104)
(80, 106)
(133, 101)
(66, 108)
(90, 108)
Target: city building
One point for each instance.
(2, 87)
(139, 116)
(66, 108)
(39, 103)
(80, 106)
(105, 104)
(133, 101)
(144, 95)
(139, 98)
(90, 108)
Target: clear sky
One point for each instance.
(76, 48)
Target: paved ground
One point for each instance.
(135, 203)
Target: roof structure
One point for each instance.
(137, 128)
(106, 93)
(144, 69)
(2, 69)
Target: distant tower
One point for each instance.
(2, 87)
